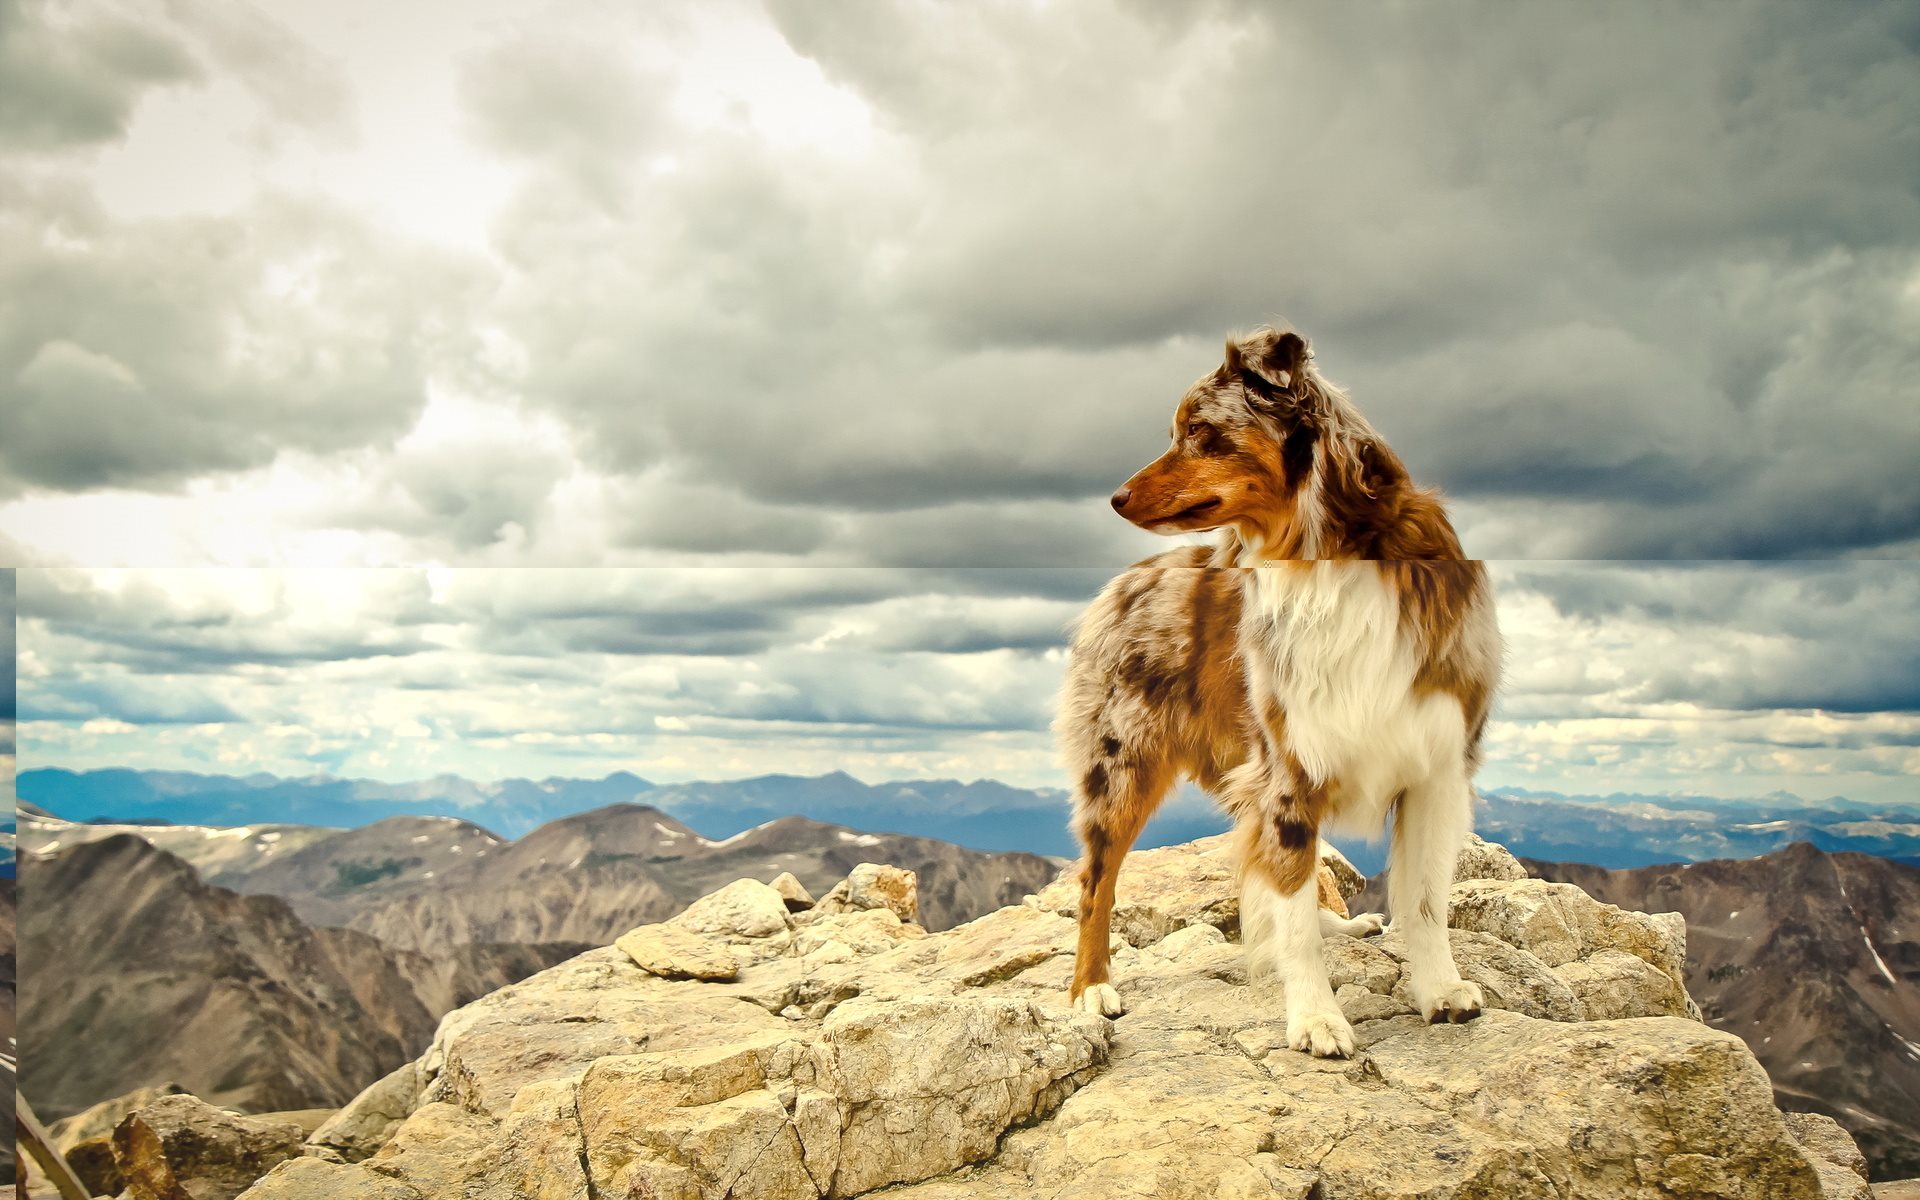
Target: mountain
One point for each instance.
(1619, 830)
(1812, 959)
(160, 975)
(1638, 831)
(8, 975)
(184, 798)
(434, 883)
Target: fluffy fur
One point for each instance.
(1329, 663)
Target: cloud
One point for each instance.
(1829, 636)
(156, 352)
(922, 288)
(72, 76)
(8, 672)
(1727, 678)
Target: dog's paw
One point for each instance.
(1321, 1033)
(1102, 1000)
(1457, 1003)
(1366, 924)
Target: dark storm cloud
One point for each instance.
(1648, 290)
(143, 628)
(1756, 636)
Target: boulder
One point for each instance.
(369, 1119)
(1842, 1168)
(871, 886)
(93, 1165)
(1481, 859)
(178, 1148)
(1558, 923)
(745, 908)
(100, 1119)
(798, 898)
(672, 952)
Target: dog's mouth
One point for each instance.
(1193, 512)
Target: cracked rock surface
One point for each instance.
(853, 1052)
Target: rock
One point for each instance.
(1510, 978)
(675, 953)
(745, 908)
(1347, 880)
(1559, 924)
(1161, 890)
(855, 933)
(539, 1148)
(781, 1116)
(1481, 859)
(792, 891)
(1823, 1137)
(100, 1119)
(871, 886)
(853, 1053)
(369, 1119)
(312, 1179)
(955, 1073)
(1611, 984)
(1329, 888)
(310, 1120)
(441, 1150)
(93, 1164)
(178, 1148)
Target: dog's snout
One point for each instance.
(1121, 497)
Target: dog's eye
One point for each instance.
(1195, 429)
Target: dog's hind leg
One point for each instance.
(1430, 822)
(1113, 803)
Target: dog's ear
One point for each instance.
(1270, 359)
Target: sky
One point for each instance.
(1720, 679)
(905, 285)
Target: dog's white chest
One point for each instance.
(1329, 642)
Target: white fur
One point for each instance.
(1282, 936)
(1325, 640)
(1363, 925)
(1102, 1000)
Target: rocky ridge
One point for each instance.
(751, 1051)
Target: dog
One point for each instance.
(1329, 663)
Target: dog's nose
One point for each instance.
(1121, 497)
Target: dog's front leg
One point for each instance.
(1280, 910)
(1430, 822)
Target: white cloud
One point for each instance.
(747, 283)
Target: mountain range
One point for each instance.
(1619, 830)
(1812, 960)
(288, 966)
(433, 883)
(138, 972)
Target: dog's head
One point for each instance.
(1243, 445)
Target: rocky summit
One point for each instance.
(748, 1050)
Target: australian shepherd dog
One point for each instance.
(1328, 664)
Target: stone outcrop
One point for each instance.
(872, 886)
(853, 1052)
(178, 1148)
